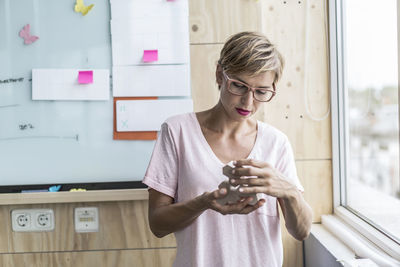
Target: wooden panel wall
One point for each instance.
(109, 258)
(298, 28)
(124, 239)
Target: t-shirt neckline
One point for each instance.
(208, 147)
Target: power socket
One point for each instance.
(44, 220)
(21, 221)
(32, 220)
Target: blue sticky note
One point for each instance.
(55, 188)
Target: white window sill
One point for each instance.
(347, 246)
(369, 233)
(337, 248)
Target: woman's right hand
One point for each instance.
(241, 207)
(166, 217)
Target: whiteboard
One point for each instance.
(59, 142)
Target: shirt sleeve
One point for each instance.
(162, 171)
(287, 166)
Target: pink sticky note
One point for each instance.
(150, 55)
(85, 76)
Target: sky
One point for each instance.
(371, 42)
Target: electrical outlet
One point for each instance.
(86, 219)
(44, 220)
(32, 220)
(21, 220)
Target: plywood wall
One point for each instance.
(300, 109)
(124, 239)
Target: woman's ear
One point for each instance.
(218, 75)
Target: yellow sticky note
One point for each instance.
(80, 7)
(77, 189)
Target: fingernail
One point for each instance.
(233, 171)
(222, 191)
(233, 180)
(240, 189)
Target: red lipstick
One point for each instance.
(242, 112)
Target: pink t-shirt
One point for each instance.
(184, 166)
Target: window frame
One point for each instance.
(339, 123)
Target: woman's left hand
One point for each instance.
(269, 181)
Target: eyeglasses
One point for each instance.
(240, 88)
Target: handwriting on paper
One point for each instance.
(26, 35)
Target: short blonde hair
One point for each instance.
(251, 53)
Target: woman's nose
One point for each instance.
(247, 98)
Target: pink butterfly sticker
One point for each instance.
(28, 38)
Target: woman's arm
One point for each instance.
(296, 211)
(166, 217)
(297, 214)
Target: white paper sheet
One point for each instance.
(122, 29)
(148, 115)
(124, 9)
(152, 80)
(131, 37)
(62, 84)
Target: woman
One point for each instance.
(191, 150)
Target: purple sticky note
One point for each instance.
(150, 55)
(85, 76)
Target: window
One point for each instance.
(365, 111)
